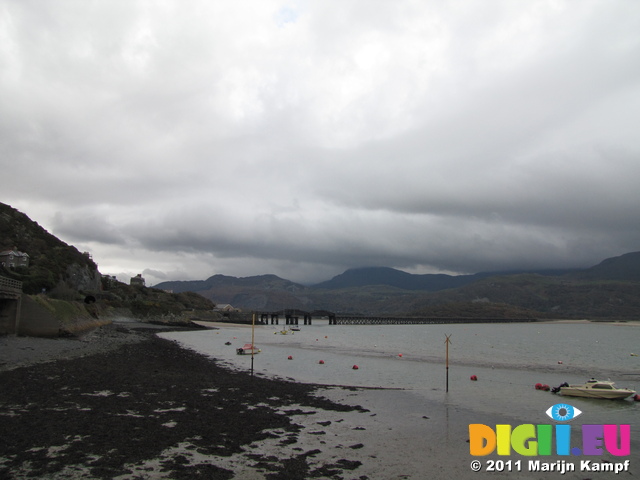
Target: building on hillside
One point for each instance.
(137, 281)
(225, 307)
(13, 258)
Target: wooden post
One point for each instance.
(253, 345)
(447, 342)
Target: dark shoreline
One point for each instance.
(97, 415)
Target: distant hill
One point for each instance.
(623, 268)
(261, 292)
(267, 282)
(369, 276)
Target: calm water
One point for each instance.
(507, 359)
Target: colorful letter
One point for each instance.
(482, 440)
(503, 434)
(563, 439)
(592, 439)
(610, 438)
(523, 440)
(544, 439)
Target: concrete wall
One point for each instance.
(36, 321)
(9, 311)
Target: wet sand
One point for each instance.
(123, 403)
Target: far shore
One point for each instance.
(633, 323)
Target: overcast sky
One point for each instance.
(301, 138)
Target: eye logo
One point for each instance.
(561, 412)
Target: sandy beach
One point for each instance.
(122, 403)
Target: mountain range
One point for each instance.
(608, 290)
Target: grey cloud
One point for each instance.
(234, 139)
(87, 227)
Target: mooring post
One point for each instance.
(447, 342)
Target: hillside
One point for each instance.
(63, 273)
(262, 292)
(546, 297)
(53, 264)
(368, 276)
(625, 268)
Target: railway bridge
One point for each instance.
(292, 316)
(372, 320)
(10, 305)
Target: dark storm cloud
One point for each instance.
(303, 138)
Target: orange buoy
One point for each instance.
(355, 367)
(290, 357)
(321, 362)
(473, 377)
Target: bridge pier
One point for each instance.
(264, 318)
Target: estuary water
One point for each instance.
(507, 359)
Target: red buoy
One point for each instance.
(321, 362)
(636, 397)
(355, 367)
(473, 377)
(546, 387)
(400, 355)
(290, 357)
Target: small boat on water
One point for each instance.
(247, 349)
(295, 328)
(595, 389)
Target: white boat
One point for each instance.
(596, 389)
(246, 350)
